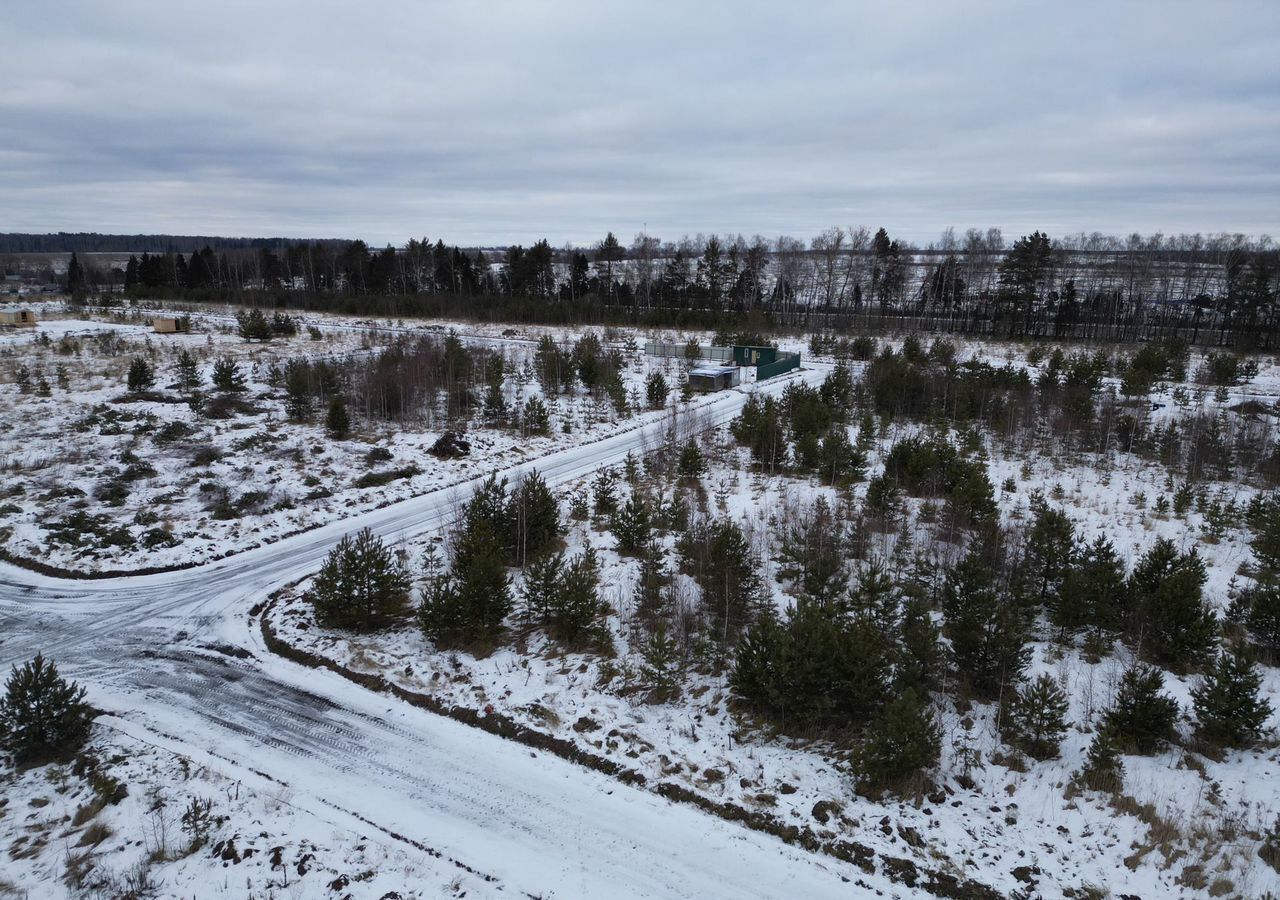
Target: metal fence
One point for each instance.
(784, 363)
(677, 351)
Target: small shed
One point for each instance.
(20, 318)
(706, 379)
(170, 325)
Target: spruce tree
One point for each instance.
(473, 602)
(1261, 605)
(919, 661)
(576, 615)
(361, 584)
(902, 744)
(76, 279)
(43, 717)
(759, 675)
(1036, 718)
(495, 404)
(336, 420)
(1142, 717)
(142, 375)
(1171, 623)
(1229, 712)
(188, 372)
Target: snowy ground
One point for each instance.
(1195, 823)
(60, 450)
(538, 825)
(175, 657)
(119, 818)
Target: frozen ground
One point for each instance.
(1194, 825)
(200, 487)
(174, 658)
(176, 663)
(67, 831)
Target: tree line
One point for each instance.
(1223, 289)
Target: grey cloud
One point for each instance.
(502, 122)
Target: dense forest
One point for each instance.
(1221, 289)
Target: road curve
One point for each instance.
(541, 826)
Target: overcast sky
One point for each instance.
(495, 122)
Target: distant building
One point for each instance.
(706, 379)
(170, 325)
(21, 318)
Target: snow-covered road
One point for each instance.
(172, 657)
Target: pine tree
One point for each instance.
(720, 560)
(227, 376)
(142, 375)
(535, 419)
(577, 611)
(1141, 717)
(660, 666)
(1036, 718)
(297, 386)
(692, 464)
(986, 630)
(43, 717)
(534, 517)
(361, 584)
(1103, 769)
(541, 582)
(253, 326)
(1228, 709)
(604, 492)
(1048, 552)
(903, 743)
(1094, 592)
(1262, 614)
(632, 525)
(838, 462)
(656, 390)
(336, 421)
(188, 372)
(1171, 622)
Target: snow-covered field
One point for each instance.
(197, 487)
(133, 815)
(1195, 823)
(308, 762)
